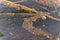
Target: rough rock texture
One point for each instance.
(12, 28)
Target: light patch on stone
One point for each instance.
(43, 25)
(40, 29)
(1, 1)
(58, 39)
(11, 33)
(58, 13)
(43, 17)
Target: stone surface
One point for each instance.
(12, 28)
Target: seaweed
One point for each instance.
(1, 34)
